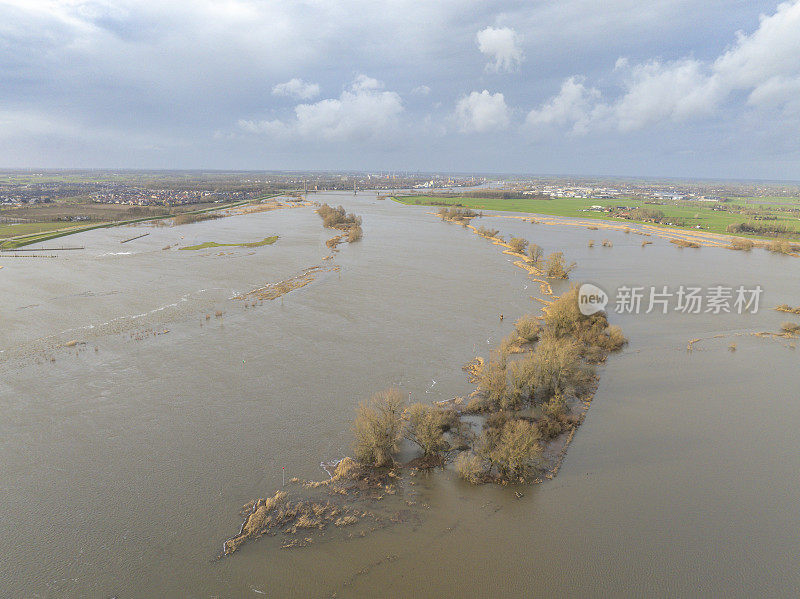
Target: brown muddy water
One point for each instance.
(124, 462)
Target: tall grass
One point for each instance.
(741, 244)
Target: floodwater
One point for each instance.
(124, 460)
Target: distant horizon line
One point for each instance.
(498, 174)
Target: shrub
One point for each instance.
(470, 467)
(614, 339)
(475, 405)
(683, 243)
(528, 328)
(355, 234)
(511, 344)
(493, 387)
(556, 266)
(788, 308)
(741, 244)
(790, 328)
(556, 407)
(337, 218)
(549, 428)
(517, 452)
(457, 213)
(780, 246)
(185, 219)
(450, 419)
(764, 229)
(377, 428)
(536, 253)
(556, 367)
(522, 382)
(518, 245)
(424, 426)
(563, 318)
(486, 232)
(646, 214)
(607, 243)
(591, 243)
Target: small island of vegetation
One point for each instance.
(529, 400)
(214, 244)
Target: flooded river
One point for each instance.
(124, 460)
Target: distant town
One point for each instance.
(49, 198)
(143, 189)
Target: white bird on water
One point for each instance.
(431, 387)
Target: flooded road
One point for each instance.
(125, 459)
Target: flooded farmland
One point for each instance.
(125, 457)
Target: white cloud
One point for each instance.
(135, 68)
(361, 112)
(296, 88)
(421, 90)
(764, 64)
(503, 46)
(271, 128)
(481, 111)
(768, 61)
(573, 105)
(362, 83)
(674, 91)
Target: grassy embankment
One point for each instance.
(692, 215)
(45, 231)
(214, 244)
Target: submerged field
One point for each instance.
(51, 221)
(187, 395)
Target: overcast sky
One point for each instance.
(684, 88)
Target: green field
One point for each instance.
(29, 229)
(693, 214)
(214, 244)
